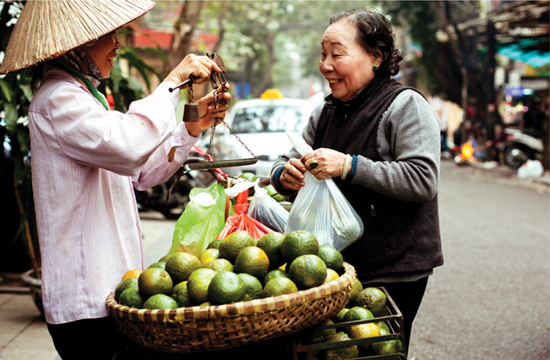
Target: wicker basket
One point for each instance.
(196, 329)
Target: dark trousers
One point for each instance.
(407, 296)
(95, 339)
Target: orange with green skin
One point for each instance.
(160, 302)
(332, 258)
(298, 243)
(154, 281)
(271, 244)
(280, 286)
(209, 255)
(219, 265)
(197, 286)
(308, 271)
(232, 245)
(181, 265)
(253, 287)
(226, 287)
(252, 260)
(127, 283)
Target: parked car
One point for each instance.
(261, 124)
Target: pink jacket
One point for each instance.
(85, 163)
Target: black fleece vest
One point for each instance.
(400, 236)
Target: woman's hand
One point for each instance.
(292, 177)
(198, 66)
(207, 112)
(330, 163)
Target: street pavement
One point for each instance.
(489, 301)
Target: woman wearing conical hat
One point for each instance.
(87, 160)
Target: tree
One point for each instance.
(183, 31)
(450, 58)
(259, 40)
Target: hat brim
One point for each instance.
(48, 29)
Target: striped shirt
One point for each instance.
(86, 162)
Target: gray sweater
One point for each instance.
(408, 140)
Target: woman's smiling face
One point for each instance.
(103, 52)
(344, 63)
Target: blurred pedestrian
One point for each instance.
(87, 160)
(380, 142)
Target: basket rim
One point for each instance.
(241, 308)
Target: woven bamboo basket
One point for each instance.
(197, 329)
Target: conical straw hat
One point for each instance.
(47, 29)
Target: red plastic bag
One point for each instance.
(240, 221)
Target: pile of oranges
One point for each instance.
(237, 268)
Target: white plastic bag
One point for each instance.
(267, 210)
(532, 168)
(321, 208)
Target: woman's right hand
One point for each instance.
(292, 177)
(198, 66)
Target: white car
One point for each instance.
(261, 125)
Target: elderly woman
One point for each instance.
(87, 161)
(379, 141)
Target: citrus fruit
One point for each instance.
(382, 325)
(131, 298)
(134, 273)
(338, 318)
(318, 334)
(154, 281)
(362, 331)
(226, 287)
(298, 243)
(165, 258)
(280, 286)
(373, 299)
(125, 284)
(219, 265)
(308, 271)
(332, 258)
(197, 286)
(209, 255)
(232, 245)
(331, 275)
(205, 304)
(275, 274)
(278, 198)
(271, 244)
(270, 190)
(252, 287)
(356, 288)
(181, 294)
(252, 260)
(348, 352)
(160, 302)
(160, 265)
(358, 313)
(214, 244)
(181, 265)
(387, 347)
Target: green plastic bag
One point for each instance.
(201, 221)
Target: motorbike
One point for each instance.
(520, 147)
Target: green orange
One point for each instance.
(181, 265)
(226, 287)
(154, 281)
(298, 243)
(252, 260)
(308, 271)
(197, 286)
(280, 286)
(271, 244)
(232, 245)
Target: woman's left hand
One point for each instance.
(330, 163)
(207, 112)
